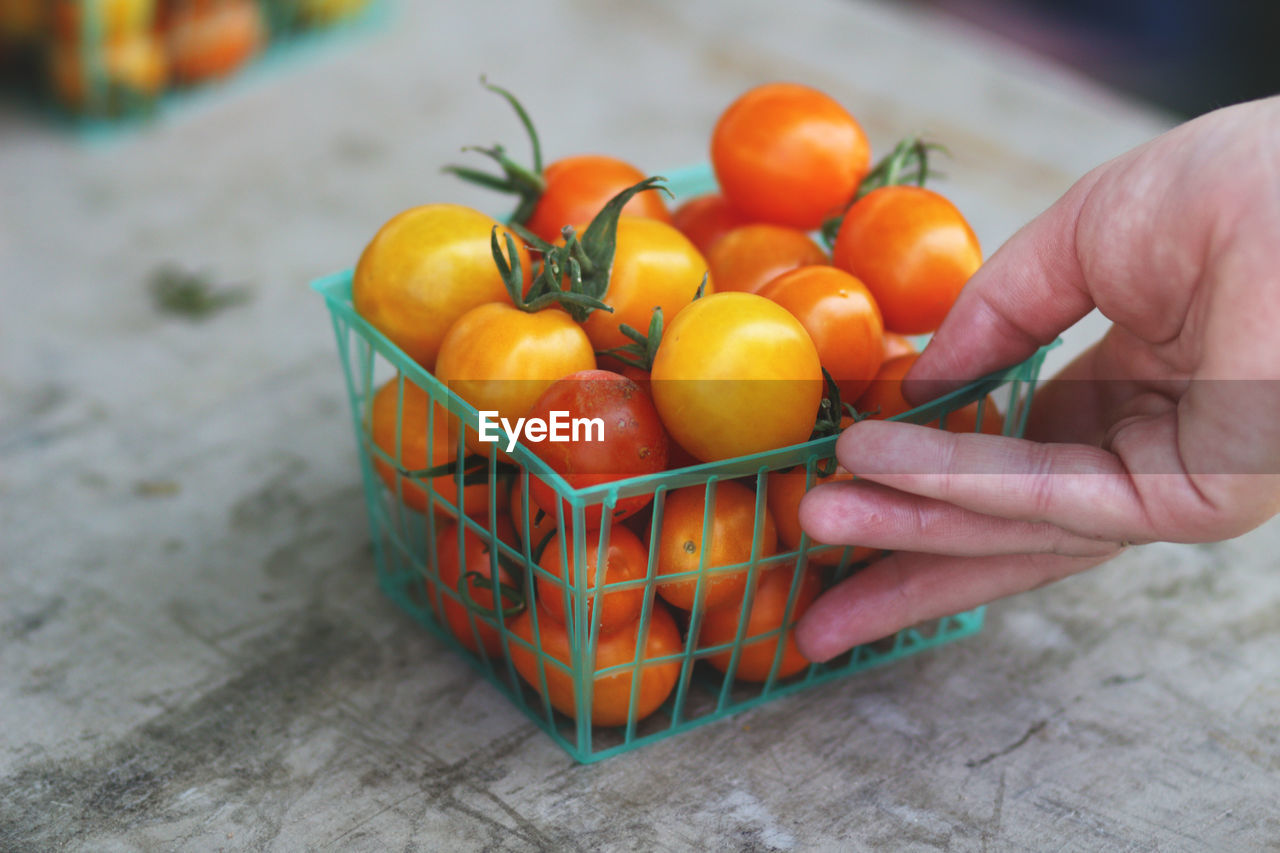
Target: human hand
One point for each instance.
(1166, 429)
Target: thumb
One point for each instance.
(1022, 298)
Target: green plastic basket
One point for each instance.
(406, 543)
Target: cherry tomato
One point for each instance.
(477, 556)
(786, 488)
(767, 617)
(789, 154)
(611, 693)
(423, 270)
(840, 315)
(735, 375)
(629, 442)
(626, 559)
(750, 256)
(884, 399)
(654, 266)
(210, 40)
(422, 445)
(914, 252)
(705, 219)
(578, 187)
(499, 358)
(681, 546)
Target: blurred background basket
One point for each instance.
(102, 64)
(413, 513)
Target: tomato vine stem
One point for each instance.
(525, 182)
(907, 163)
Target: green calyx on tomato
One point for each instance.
(527, 183)
(586, 260)
(516, 595)
(644, 345)
(906, 164)
(545, 289)
(833, 417)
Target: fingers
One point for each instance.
(1081, 489)
(875, 516)
(1022, 298)
(904, 589)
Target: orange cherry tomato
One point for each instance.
(578, 187)
(840, 315)
(424, 443)
(475, 556)
(896, 345)
(423, 270)
(611, 694)
(733, 528)
(789, 154)
(626, 559)
(750, 256)
(736, 374)
(705, 219)
(786, 488)
(767, 617)
(914, 252)
(654, 266)
(884, 399)
(500, 359)
(210, 40)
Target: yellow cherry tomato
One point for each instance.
(423, 270)
(500, 358)
(654, 266)
(736, 374)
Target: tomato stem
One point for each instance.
(525, 182)
(907, 163)
(644, 347)
(545, 290)
(475, 471)
(586, 260)
(505, 591)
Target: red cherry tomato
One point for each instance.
(578, 187)
(627, 440)
(706, 219)
(789, 154)
(476, 556)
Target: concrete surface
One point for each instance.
(193, 654)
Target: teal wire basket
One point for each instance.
(97, 74)
(559, 676)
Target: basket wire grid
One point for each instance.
(406, 542)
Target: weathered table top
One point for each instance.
(193, 653)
